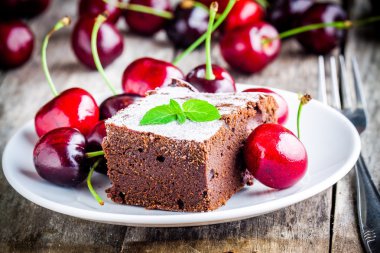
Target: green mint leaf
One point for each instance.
(175, 106)
(200, 110)
(181, 117)
(159, 115)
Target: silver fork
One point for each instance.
(368, 198)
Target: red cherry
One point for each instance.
(223, 81)
(110, 42)
(284, 14)
(188, 24)
(74, 108)
(322, 41)
(146, 74)
(282, 112)
(60, 158)
(14, 9)
(95, 137)
(112, 105)
(16, 44)
(250, 49)
(244, 12)
(275, 156)
(93, 8)
(143, 23)
(94, 143)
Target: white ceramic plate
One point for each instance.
(332, 143)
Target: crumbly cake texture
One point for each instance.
(196, 166)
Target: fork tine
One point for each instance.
(335, 86)
(322, 80)
(358, 84)
(346, 94)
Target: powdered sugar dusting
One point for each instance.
(131, 116)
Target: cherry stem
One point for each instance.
(263, 3)
(201, 39)
(345, 24)
(304, 99)
(192, 3)
(213, 9)
(65, 21)
(89, 184)
(94, 154)
(100, 19)
(142, 8)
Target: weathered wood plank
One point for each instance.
(293, 229)
(25, 226)
(364, 44)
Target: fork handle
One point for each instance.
(368, 207)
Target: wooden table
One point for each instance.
(323, 223)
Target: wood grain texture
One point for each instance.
(303, 227)
(364, 44)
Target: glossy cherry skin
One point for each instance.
(322, 41)
(113, 104)
(146, 74)
(109, 42)
(60, 158)
(18, 9)
(74, 108)
(244, 12)
(16, 44)
(146, 24)
(94, 143)
(223, 81)
(187, 26)
(284, 14)
(92, 8)
(275, 156)
(248, 49)
(282, 112)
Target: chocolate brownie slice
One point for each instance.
(190, 167)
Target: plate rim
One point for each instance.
(188, 218)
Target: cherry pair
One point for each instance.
(275, 156)
(61, 157)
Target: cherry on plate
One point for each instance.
(322, 41)
(250, 49)
(282, 112)
(74, 108)
(94, 143)
(110, 43)
(60, 157)
(16, 44)
(146, 74)
(113, 104)
(223, 81)
(275, 156)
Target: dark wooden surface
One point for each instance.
(323, 223)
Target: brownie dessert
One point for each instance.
(196, 166)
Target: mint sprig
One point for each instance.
(193, 109)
